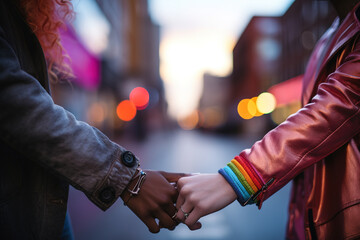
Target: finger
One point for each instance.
(186, 208)
(171, 210)
(165, 220)
(180, 201)
(175, 225)
(193, 218)
(174, 177)
(173, 194)
(195, 226)
(152, 225)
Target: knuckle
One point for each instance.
(193, 199)
(185, 190)
(181, 182)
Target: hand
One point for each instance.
(200, 195)
(155, 200)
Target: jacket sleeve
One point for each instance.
(41, 131)
(329, 121)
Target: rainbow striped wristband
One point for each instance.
(245, 181)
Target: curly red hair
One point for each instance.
(46, 18)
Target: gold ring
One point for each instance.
(174, 216)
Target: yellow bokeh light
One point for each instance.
(266, 103)
(243, 109)
(251, 107)
(258, 113)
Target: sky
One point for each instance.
(198, 36)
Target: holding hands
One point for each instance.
(195, 196)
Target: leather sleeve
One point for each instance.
(328, 121)
(41, 131)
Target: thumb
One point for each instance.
(174, 177)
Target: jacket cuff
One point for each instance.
(245, 180)
(121, 172)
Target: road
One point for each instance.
(183, 151)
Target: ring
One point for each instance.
(186, 214)
(174, 216)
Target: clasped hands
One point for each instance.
(166, 199)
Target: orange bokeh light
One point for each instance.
(257, 113)
(140, 97)
(126, 110)
(243, 109)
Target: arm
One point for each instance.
(329, 121)
(42, 132)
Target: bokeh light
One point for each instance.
(281, 113)
(258, 113)
(140, 97)
(126, 110)
(189, 122)
(266, 103)
(251, 107)
(243, 109)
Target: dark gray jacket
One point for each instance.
(43, 148)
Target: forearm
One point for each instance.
(314, 132)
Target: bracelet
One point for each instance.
(141, 175)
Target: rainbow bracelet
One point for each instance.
(240, 197)
(245, 181)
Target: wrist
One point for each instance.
(134, 185)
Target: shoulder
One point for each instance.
(19, 40)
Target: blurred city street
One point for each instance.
(183, 151)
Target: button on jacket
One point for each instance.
(318, 146)
(43, 147)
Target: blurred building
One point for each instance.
(213, 102)
(130, 59)
(270, 51)
(302, 26)
(256, 65)
(256, 57)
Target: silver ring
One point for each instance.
(186, 214)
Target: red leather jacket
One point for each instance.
(319, 146)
